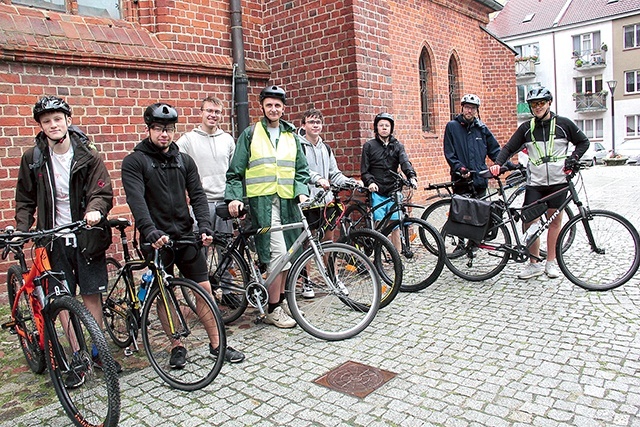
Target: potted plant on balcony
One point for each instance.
(579, 62)
(604, 47)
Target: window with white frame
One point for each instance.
(591, 127)
(586, 44)
(633, 125)
(102, 8)
(631, 36)
(591, 84)
(632, 81)
(529, 51)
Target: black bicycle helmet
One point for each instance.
(539, 93)
(161, 113)
(382, 116)
(48, 104)
(273, 92)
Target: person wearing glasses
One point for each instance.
(160, 184)
(548, 139)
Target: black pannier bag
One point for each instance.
(468, 218)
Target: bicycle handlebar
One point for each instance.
(18, 238)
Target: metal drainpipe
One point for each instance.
(240, 79)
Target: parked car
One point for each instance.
(630, 149)
(594, 154)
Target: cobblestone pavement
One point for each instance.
(503, 352)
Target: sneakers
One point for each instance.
(307, 291)
(285, 307)
(231, 355)
(342, 287)
(279, 319)
(178, 357)
(531, 270)
(98, 364)
(77, 372)
(551, 269)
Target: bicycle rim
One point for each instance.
(192, 329)
(334, 314)
(436, 214)
(228, 277)
(481, 261)
(116, 307)
(385, 258)
(96, 402)
(25, 322)
(616, 258)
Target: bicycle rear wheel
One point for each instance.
(422, 266)
(228, 277)
(116, 307)
(178, 324)
(477, 261)
(81, 367)
(609, 261)
(383, 255)
(346, 298)
(25, 322)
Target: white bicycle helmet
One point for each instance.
(471, 99)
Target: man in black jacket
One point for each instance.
(157, 179)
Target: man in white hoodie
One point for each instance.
(212, 149)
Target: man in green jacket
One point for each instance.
(270, 169)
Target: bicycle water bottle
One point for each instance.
(531, 231)
(147, 278)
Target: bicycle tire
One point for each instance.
(116, 307)
(356, 216)
(24, 318)
(385, 258)
(617, 241)
(201, 368)
(436, 214)
(97, 401)
(422, 266)
(229, 276)
(331, 314)
(481, 261)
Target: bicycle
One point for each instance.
(423, 260)
(602, 254)
(514, 188)
(347, 288)
(81, 367)
(194, 321)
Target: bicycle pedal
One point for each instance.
(127, 352)
(9, 325)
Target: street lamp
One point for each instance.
(612, 88)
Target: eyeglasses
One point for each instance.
(536, 104)
(313, 122)
(161, 129)
(214, 112)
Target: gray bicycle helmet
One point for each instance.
(161, 113)
(472, 99)
(273, 92)
(539, 93)
(48, 104)
(383, 116)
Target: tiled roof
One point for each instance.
(508, 22)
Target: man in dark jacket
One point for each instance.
(467, 143)
(64, 179)
(157, 179)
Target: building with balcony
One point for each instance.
(575, 47)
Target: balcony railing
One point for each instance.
(526, 67)
(589, 59)
(591, 101)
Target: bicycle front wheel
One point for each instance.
(171, 322)
(81, 367)
(228, 277)
(604, 252)
(347, 292)
(436, 214)
(422, 266)
(116, 307)
(385, 258)
(356, 217)
(24, 317)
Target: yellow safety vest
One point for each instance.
(271, 169)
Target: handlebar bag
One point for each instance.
(468, 218)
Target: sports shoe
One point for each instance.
(77, 372)
(178, 357)
(98, 363)
(279, 319)
(307, 291)
(231, 355)
(551, 269)
(285, 306)
(342, 287)
(531, 270)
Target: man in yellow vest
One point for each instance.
(270, 165)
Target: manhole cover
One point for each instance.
(355, 379)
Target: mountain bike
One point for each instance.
(602, 254)
(346, 286)
(57, 331)
(423, 257)
(174, 310)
